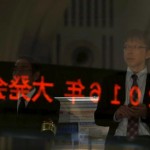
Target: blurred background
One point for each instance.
(85, 33)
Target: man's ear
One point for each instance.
(36, 76)
(148, 54)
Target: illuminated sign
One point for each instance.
(21, 85)
(74, 89)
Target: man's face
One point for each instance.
(135, 53)
(23, 68)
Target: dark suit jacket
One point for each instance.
(105, 110)
(31, 121)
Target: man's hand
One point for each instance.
(138, 111)
(123, 112)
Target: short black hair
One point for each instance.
(36, 67)
(138, 34)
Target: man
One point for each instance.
(118, 104)
(24, 117)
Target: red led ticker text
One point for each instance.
(42, 84)
(115, 101)
(75, 88)
(133, 102)
(3, 88)
(20, 84)
(96, 91)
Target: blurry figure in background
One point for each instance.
(127, 122)
(33, 123)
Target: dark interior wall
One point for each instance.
(75, 32)
(28, 27)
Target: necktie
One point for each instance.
(132, 128)
(21, 108)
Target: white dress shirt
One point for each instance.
(29, 95)
(122, 127)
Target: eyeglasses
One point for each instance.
(22, 70)
(134, 47)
